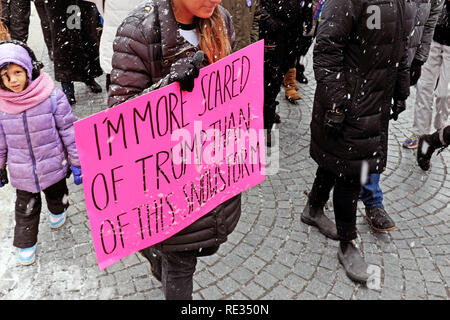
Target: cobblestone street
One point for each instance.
(271, 254)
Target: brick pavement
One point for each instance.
(271, 254)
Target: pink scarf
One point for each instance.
(37, 92)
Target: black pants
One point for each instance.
(177, 272)
(345, 199)
(28, 210)
(45, 24)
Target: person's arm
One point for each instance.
(424, 48)
(338, 18)
(130, 73)
(3, 148)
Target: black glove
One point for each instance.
(415, 71)
(186, 70)
(333, 122)
(398, 107)
(3, 178)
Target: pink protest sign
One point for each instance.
(155, 164)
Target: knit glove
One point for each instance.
(333, 122)
(415, 71)
(398, 107)
(186, 70)
(77, 178)
(3, 178)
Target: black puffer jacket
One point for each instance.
(146, 45)
(358, 68)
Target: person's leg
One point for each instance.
(57, 196)
(345, 199)
(177, 274)
(313, 214)
(45, 25)
(27, 213)
(443, 90)
(69, 90)
(423, 107)
(372, 197)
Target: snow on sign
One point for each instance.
(155, 164)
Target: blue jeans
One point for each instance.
(371, 194)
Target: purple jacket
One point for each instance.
(34, 143)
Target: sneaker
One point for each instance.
(27, 256)
(412, 142)
(57, 220)
(379, 220)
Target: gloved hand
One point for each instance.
(398, 107)
(333, 122)
(415, 71)
(186, 70)
(77, 178)
(3, 178)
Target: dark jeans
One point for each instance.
(28, 210)
(371, 193)
(345, 199)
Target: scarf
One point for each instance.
(37, 92)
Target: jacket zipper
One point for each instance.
(33, 159)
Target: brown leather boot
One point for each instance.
(290, 78)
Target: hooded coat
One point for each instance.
(37, 139)
(147, 44)
(359, 67)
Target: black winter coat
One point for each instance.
(75, 47)
(358, 68)
(146, 45)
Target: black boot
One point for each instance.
(69, 91)
(379, 220)
(301, 74)
(93, 86)
(314, 216)
(155, 261)
(352, 261)
(428, 143)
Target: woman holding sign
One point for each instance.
(161, 42)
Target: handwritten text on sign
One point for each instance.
(155, 164)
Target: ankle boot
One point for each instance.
(428, 143)
(315, 216)
(301, 74)
(93, 85)
(290, 83)
(352, 261)
(289, 79)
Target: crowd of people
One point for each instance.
(365, 63)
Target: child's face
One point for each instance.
(14, 78)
